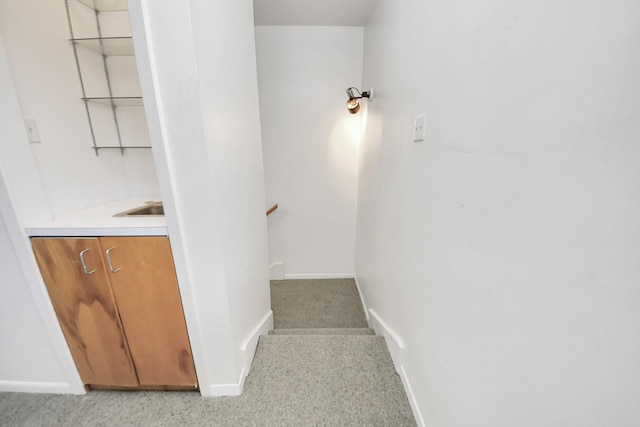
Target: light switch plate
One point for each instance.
(32, 129)
(419, 127)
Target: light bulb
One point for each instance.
(353, 105)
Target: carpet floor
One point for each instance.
(319, 375)
(333, 303)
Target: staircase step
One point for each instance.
(327, 380)
(316, 303)
(323, 331)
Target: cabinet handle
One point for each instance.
(113, 270)
(84, 263)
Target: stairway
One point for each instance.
(320, 366)
(323, 331)
(321, 363)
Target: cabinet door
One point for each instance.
(85, 308)
(145, 287)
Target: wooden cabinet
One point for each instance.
(118, 303)
(86, 310)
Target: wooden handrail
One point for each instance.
(272, 208)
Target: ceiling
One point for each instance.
(312, 12)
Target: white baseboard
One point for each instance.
(412, 398)
(248, 350)
(39, 387)
(220, 390)
(319, 276)
(364, 306)
(394, 342)
(251, 343)
(276, 271)
(397, 350)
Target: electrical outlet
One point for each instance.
(419, 127)
(32, 129)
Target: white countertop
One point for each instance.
(99, 221)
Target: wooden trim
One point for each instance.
(271, 209)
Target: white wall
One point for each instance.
(16, 161)
(46, 80)
(310, 145)
(503, 250)
(35, 356)
(27, 356)
(200, 87)
(228, 86)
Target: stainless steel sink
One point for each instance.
(149, 209)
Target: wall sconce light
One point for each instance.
(353, 103)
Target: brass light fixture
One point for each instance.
(353, 103)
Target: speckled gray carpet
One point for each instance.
(309, 377)
(333, 303)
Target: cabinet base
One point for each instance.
(90, 387)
